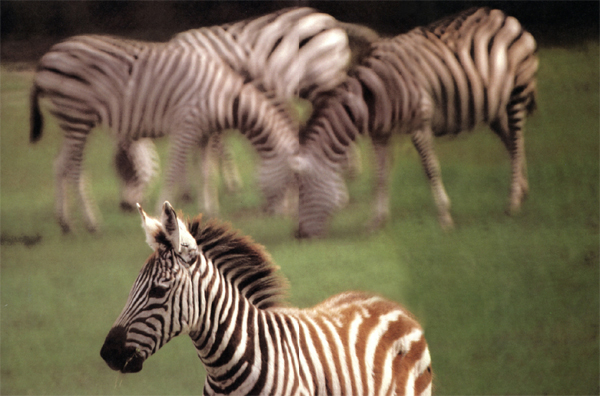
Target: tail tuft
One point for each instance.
(36, 121)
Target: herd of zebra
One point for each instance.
(204, 280)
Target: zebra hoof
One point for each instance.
(65, 227)
(377, 223)
(446, 222)
(301, 234)
(513, 210)
(186, 197)
(127, 207)
(92, 228)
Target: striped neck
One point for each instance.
(225, 334)
(233, 282)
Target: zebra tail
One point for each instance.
(36, 120)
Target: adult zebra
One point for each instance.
(300, 41)
(149, 90)
(290, 53)
(222, 290)
(478, 66)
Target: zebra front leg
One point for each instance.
(383, 162)
(423, 142)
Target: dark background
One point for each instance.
(29, 28)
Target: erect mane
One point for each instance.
(241, 261)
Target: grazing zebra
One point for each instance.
(478, 66)
(222, 290)
(302, 42)
(147, 90)
(290, 53)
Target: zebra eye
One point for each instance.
(157, 291)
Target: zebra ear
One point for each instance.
(177, 233)
(170, 223)
(152, 228)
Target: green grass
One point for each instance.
(510, 305)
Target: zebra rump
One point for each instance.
(475, 67)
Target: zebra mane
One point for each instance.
(241, 261)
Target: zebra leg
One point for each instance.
(137, 164)
(68, 169)
(274, 178)
(182, 141)
(383, 162)
(231, 174)
(353, 162)
(423, 142)
(511, 134)
(61, 194)
(90, 210)
(209, 164)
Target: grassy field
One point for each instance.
(510, 305)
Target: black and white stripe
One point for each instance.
(288, 53)
(476, 67)
(222, 290)
(147, 90)
(291, 52)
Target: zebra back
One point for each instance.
(295, 51)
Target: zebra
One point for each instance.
(148, 90)
(315, 47)
(294, 53)
(475, 67)
(222, 289)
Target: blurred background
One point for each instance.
(510, 305)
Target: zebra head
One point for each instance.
(322, 190)
(158, 307)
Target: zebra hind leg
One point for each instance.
(423, 142)
(137, 165)
(383, 160)
(511, 134)
(68, 170)
(229, 169)
(210, 183)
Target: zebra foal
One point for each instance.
(222, 290)
(476, 67)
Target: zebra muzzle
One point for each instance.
(117, 355)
